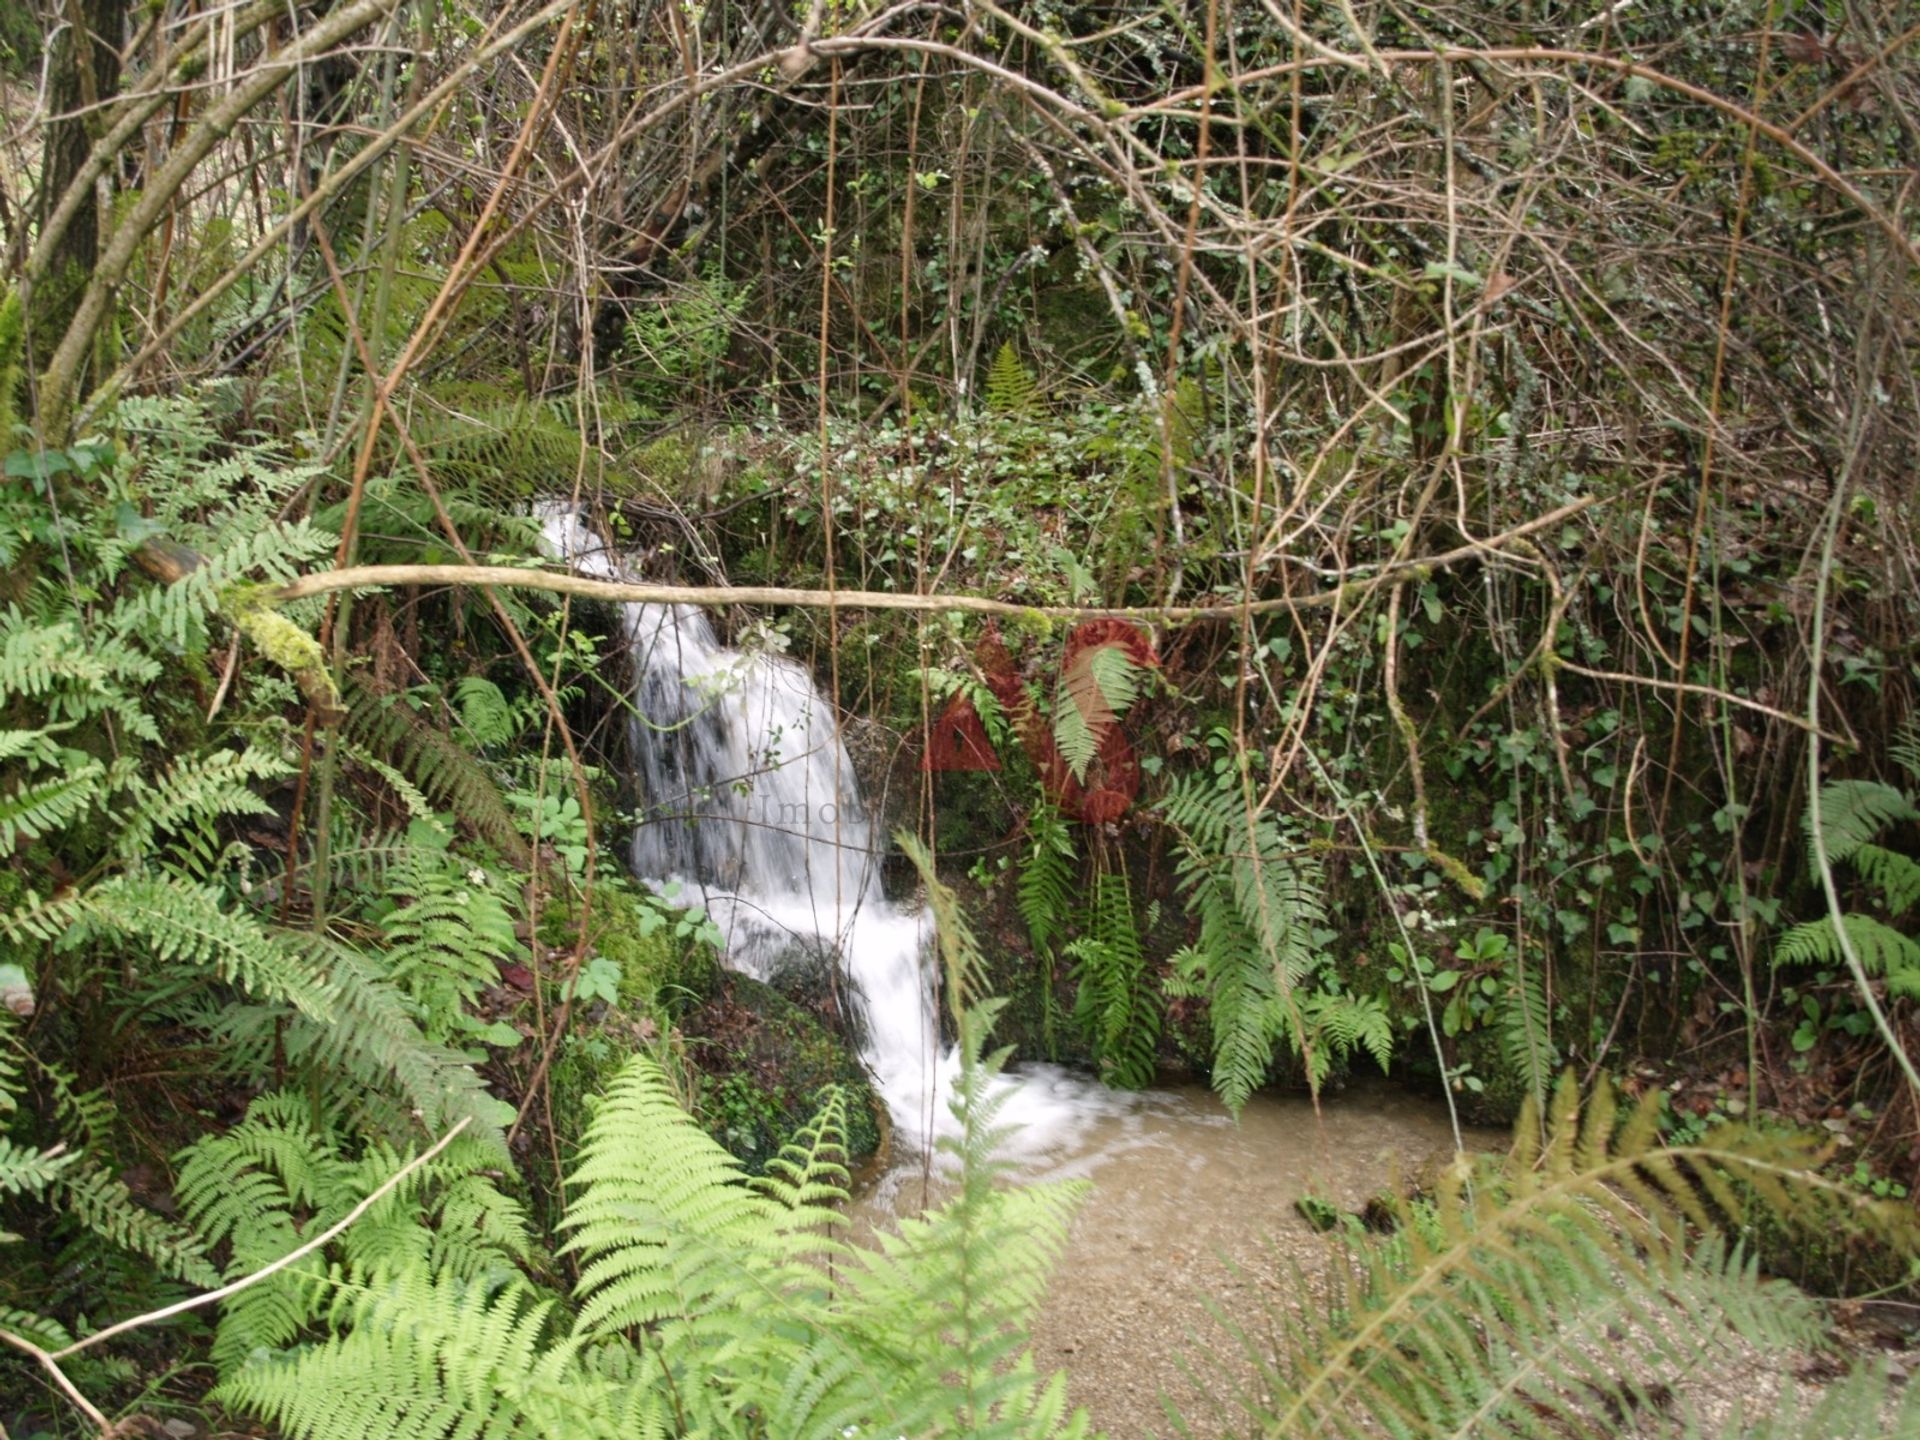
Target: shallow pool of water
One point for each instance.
(1187, 1204)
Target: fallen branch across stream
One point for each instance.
(559, 582)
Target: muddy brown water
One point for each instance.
(1187, 1207)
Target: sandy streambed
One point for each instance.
(1187, 1205)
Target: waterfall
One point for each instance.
(752, 809)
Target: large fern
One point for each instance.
(1854, 815)
(1526, 1033)
(1011, 389)
(260, 1188)
(447, 941)
(1256, 898)
(436, 764)
(122, 812)
(705, 1306)
(1116, 1008)
(69, 1177)
(1048, 903)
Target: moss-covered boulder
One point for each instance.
(761, 1061)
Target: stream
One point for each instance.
(754, 812)
(1186, 1206)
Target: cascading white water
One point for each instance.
(752, 809)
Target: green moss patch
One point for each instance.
(763, 1061)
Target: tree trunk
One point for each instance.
(83, 69)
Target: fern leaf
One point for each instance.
(1045, 889)
(1341, 1025)
(663, 1225)
(35, 747)
(176, 614)
(1552, 1292)
(29, 1172)
(278, 1174)
(1097, 688)
(1115, 1007)
(373, 1041)
(1526, 1029)
(71, 679)
(194, 791)
(105, 1206)
(432, 1356)
(810, 1173)
(1257, 903)
(37, 808)
(1882, 949)
(191, 924)
(1895, 876)
(443, 770)
(1852, 812)
(448, 941)
(47, 1333)
(1012, 390)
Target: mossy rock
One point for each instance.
(763, 1061)
(658, 970)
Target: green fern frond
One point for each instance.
(1853, 812)
(412, 799)
(30, 1172)
(1895, 876)
(74, 679)
(1045, 890)
(1011, 390)
(34, 748)
(664, 1225)
(444, 771)
(810, 1171)
(1115, 1007)
(1526, 1032)
(1046, 894)
(702, 1308)
(176, 614)
(400, 522)
(190, 924)
(1867, 1400)
(448, 941)
(278, 1176)
(37, 808)
(371, 1043)
(488, 445)
(1339, 1025)
(1257, 902)
(486, 712)
(430, 1355)
(49, 1334)
(1905, 750)
(104, 1205)
(1096, 689)
(195, 791)
(1882, 949)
